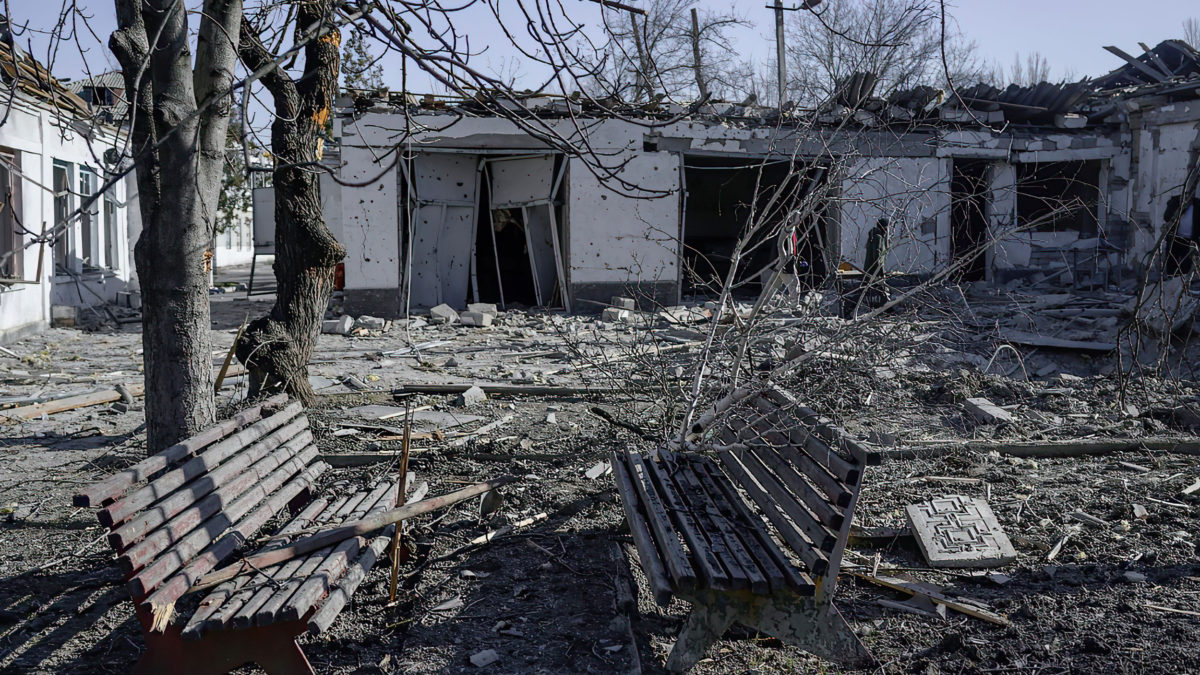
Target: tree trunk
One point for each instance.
(178, 181)
(276, 348)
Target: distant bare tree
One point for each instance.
(1191, 32)
(1027, 71)
(655, 53)
(898, 41)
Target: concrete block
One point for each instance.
(483, 308)
(614, 315)
(62, 316)
(443, 314)
(339, 326)
(370, 323)
(470, 397)
(478, 319)
(958, 531)
(623, 303)
(987, 412)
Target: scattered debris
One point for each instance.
(987, 412)
(339, 326)
(470, 397)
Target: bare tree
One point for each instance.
(898, 41)
(1191, 32)
(180, 112)
(1034, 68)
(660, 52)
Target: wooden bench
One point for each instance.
(702, 533)
(179, 514)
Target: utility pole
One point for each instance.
(696, 63)
(780, 65)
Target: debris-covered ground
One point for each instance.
(1107, 575)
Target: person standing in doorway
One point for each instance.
(877, 240)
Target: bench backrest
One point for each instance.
(175, 516)
(803, 472)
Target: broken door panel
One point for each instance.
(527, 185)
(441, 230)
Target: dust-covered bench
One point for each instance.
(177, 515)
(709, 533)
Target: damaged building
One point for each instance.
(443, 201)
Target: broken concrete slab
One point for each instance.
(484, 658)
(484, 308)
(1034, 340)
(339, 326)
(987, 412)
(959, 531)
(443, 313)
(476, 319)
(614, 315)
(623, 303)
(370, 323)
(376, 412)
(470, 397)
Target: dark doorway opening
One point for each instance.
(502, 231)
(723, 194)
(969, 191)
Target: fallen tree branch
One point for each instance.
(1073, 448)
(353, 529)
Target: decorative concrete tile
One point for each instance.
(958, 531)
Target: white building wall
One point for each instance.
(35, 133)
(370, 219)
(913, 194)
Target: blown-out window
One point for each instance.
(1059, 196)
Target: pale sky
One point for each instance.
(1070, 33)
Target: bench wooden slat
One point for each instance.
(815, 502)
(164, 550)
(253, 584)
(743, 569)
(113, 486)
(703, 555)
(317, 585)
(274, 605)
(843, 469)
(171, 481)
(757, 537)
(809, 554)
(660, 524)
(837, 491)
(337, 598)
(821, 536)
(212, 603)
(643, 541)
(284, 573)
(206, 494)
(824, 428)
(199, 564)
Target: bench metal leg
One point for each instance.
(816, 627)
(706, 623)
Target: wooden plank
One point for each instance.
(35, 410)
(715, 517)
(652, 564)
(229, 479)
(214, 601)
(837, 491)
(217, 537)
(337, 598)
(1033, 340)
(660, 524)
(747, 526)
(135, 554)
(796, 509)
(807, 494)
(810, 555)
(251, 584)
(830, 435)
(317, 585)
(703, 554)
(366, 501)
(114, 485)
(172, 480)
(186, 537)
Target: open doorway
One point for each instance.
(519, 252)
(969, 192)
(723, 194)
